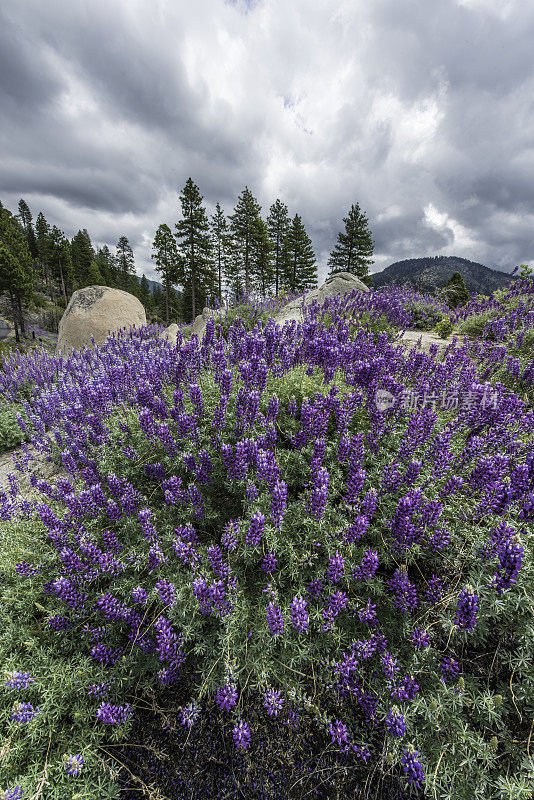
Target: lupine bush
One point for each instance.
(243, 527)
(11, 433)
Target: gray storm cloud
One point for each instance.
(420, 112)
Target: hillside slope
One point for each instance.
(428, 274)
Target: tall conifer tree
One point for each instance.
(82, 257)
(145, 295)
(16, 275)
(262, 268)
(25, 216)
(299, 258)
(278, 226)
(244, 230)
(42, 231)
(125, 263)
(198, 278)
(168, 261)
(220, 236)
(353, 248)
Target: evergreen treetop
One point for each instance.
(354, 247)
(198, 277)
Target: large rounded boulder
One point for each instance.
(97, 311)
(340, 283)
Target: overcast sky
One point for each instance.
(421, 111)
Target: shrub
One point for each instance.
(445, 327)
(11, 434)
(243, 522)
(475, 324)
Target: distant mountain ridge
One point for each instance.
(428, 274)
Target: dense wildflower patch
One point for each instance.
(299, 526)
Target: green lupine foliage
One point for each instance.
(11, 434)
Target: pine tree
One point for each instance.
(299, 258)
(262, 267)
(94, 277)
(145, 295)
(125, 263)
(107, 266)
(235, 269)
(16, 274)
(278, 227)
(159, 302)
(168, 261)
(61, 261)
(353, 248)
(243, 228)
(455, 291)
(82, 258)
(198, 276)
(42, 230)
(221, 241)
(26, 220)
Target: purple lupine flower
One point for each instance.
(167, 592)
(334, 603)
(414, 468)
(369, 503)
(279, 502)
(412, 767)
(314, 587)
(368, 612)
(218, 565)
(420, 638)
(434, 590)
(406, 689)
(299, 615)
(449, 669)
(510, 554)
(273, 701)
(356, 529)
(73, 764)
(189, 714)
(230, 533)
(269, 562)
(273, 407)
(18, 680)
(255, 530)
(113, 715)
(24, 712)
(389, 665)
(226, 696)
(466, 610)
(319, 495)
(241, 734)
(335, 569)
(395, 722)
(156, 557)
(251, 491)
(99, 690)
(339, 733)
(12, 794)
(139, 594)
(275, 619)
(368, 566)
(355, 482)
(405, 593)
